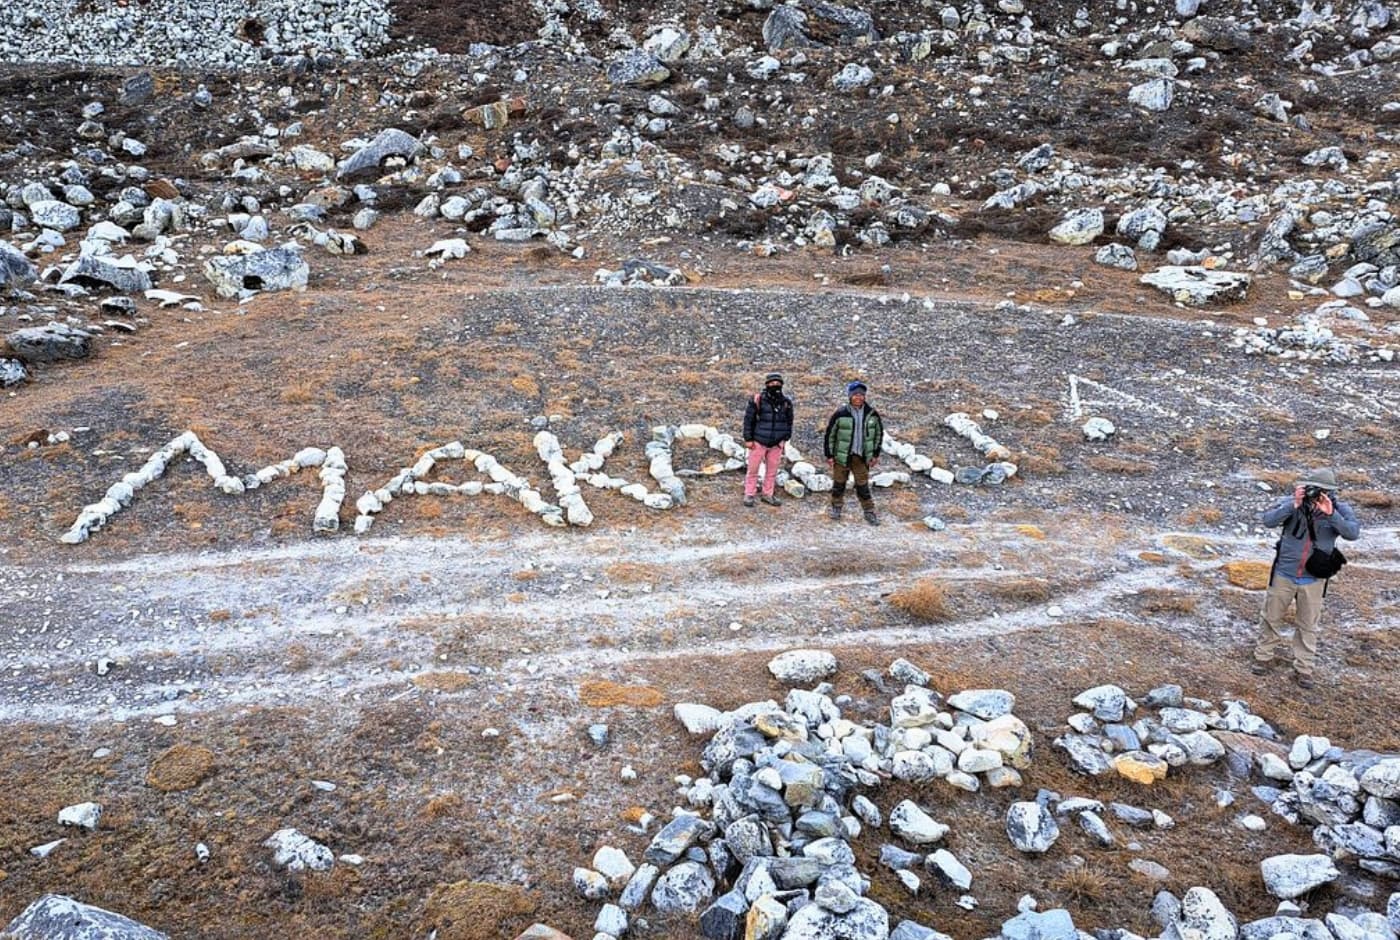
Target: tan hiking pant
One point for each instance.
(1306, 617)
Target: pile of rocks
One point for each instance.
(184, 33)
(1310, 339)
(1352, 800)
(763, 847)
(1105, 738)
(780, 794)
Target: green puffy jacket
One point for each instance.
(841, 427)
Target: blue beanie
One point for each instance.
(853, 387)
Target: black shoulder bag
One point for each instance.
(1322, 564)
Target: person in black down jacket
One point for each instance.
(767, 427)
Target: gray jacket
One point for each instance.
(1295, 545)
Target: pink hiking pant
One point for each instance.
(768, 457)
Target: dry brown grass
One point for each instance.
(739, 566)
(477, 910)
(1201, 515)
(1371, 499)
(1166, 601)
(303, 394)
(925, 599)
(1023, 590)
(634, 572)
(1082, 886)
(1106, 463)
(443, 681)
(1279, 479)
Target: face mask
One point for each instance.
(775, 391)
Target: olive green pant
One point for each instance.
(1306, 617)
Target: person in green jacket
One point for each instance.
(854, 436)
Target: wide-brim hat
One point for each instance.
(1322, 478)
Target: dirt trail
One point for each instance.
(328, 623)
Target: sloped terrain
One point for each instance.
(638, 250)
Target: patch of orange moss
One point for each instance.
(634, 814)
(1250, 575)
(1153, 558)
(476, 910)
(1031, 531)
(442, 681)
(182, 767)
(600, 693)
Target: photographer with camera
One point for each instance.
(1305, 559)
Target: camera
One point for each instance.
(1311, 493)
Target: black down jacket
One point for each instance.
(768, 420)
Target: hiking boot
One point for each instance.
(1260, 669)
(770, 501)
(748, 501)
(1304, 682)
(834, 513)
(871, 518)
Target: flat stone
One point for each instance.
(911, 823)
(802, 666)
(1195, 286)
(1152, 871)
(1054, 924)
(1292, 876)
(1382, 779)
(698, 719)
(270, 269)
(944, 865)
(1105, 702)
(56, 917)
(390, 142)
(1140, 767)
(638, 68)
(1095, 828)
(1080, 227)
(52, 214)
(1085, 754)
(126, 274)
(674, 838)
(49, 343)
(984, 703)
